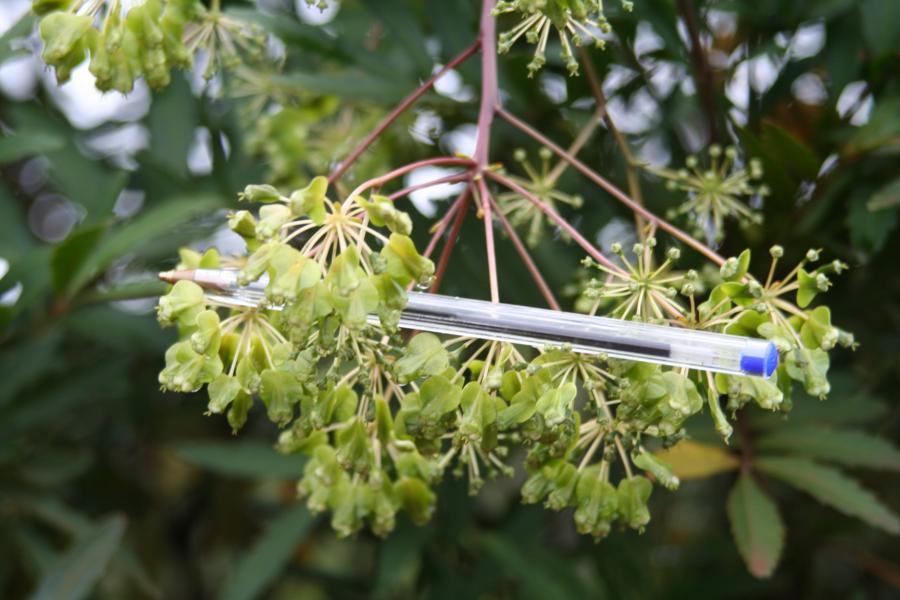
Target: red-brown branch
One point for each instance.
(399, 110)
(451, 240)
(526, 258)
(444, 223)
(612, 189)
(454, 178)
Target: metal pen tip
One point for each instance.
(175, 276)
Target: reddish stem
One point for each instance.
(399, 110)
(561, 222)
(611, 189)
(451, 239)
(490, 98)
(526, 258)
(486, 200)
(444, 223)
(382, 179)
(455, 177)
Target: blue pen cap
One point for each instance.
(760, 362)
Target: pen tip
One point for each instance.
(175, 276)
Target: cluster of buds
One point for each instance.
(574, 20)
(149, 39)
(382, 417)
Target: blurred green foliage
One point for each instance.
(110, 489)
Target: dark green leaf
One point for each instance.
(830, 486)
(242, 459)
(17, 147)
(756, 525)
(76, 572)
(270, 553)
(146, 228)
(879, 25)
(357, 87)
(851, 448)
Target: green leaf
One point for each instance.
(846, 447)
(888, 196)
(146, 228)
(72, 252)
(20, 29)
(830, 486)
(536, 578)
(756, 525)
(879, 25)
(869, 229)
(76, 572)
(404, 29)
(268, 556)
(17, 147)
(241, 459)
(358, 87)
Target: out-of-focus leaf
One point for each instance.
(879, 25)
(69, 255)
(14, 238)
(882, 129)
(147, 227)
(534, 578)
(830, 486)
(851, 448)
(262, 563)
(17, 147)
(694, 460)
(172, 120)
(20, 29)
(242, 459)
(114, 328)
(399, 561)
(357, 87)
(886, 197)
(76, 572)
(23, 363)
(756, 526)
(404, 29)
(869, 229)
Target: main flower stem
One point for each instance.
(489, 101)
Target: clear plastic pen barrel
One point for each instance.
(540, 328)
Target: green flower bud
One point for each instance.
(661, 471)
(776, 251)
(597, 502)
(279, 391)
(182, 304)
(187, 370)
(633, 494)
(416, 499)
(208, 336)
(260, 193)
(272, 217)
(222, 391)
(404, 263)
(310, 201)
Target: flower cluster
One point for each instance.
(716, 191)
(574, 20)
(541, 182)
(383, 417)
(148, 40)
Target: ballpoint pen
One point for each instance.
(538, 327)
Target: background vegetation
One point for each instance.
(112, 488)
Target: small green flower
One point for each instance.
(716, 191)
(574, 20)
(541, 182)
